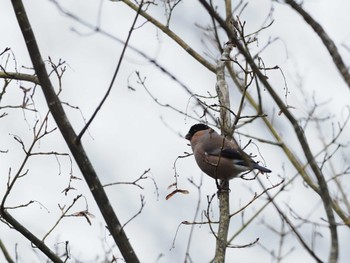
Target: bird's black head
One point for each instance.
(195, 128)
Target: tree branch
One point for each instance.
(25, 232)
(6, 253)
(324, 192)
(70, 137)
(114, 75)
(226, 128)
(327, 41)
(19, 76)
(173, 36)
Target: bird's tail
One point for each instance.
(261, 169)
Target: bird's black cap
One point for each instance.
(195, 128)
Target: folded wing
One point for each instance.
(239, 158)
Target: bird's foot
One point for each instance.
(223, 186)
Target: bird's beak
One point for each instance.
(188, 136)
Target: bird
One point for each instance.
(217, 156)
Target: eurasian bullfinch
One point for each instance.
(217, 156)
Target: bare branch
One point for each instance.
(324, 192)
(18, 76)
(114, 75)
(70, 137)
(25, 232)
(289, 223)
(135, 182)
(226, 129)
(142, 198)
(64, 212)
(327, 41)
(173, 36)
(6, 253)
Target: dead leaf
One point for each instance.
(175, 192)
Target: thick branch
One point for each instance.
(25, 232)
(224, 223)
(173, 36)
(70, 137)
(327, 41)
(5, 252)
(19, 76)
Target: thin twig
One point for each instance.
(114, 75)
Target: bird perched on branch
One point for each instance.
(217, 156)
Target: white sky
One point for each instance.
(128, 135)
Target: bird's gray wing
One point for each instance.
(228, 153)
(239, 158)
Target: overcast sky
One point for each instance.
(132, 133)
